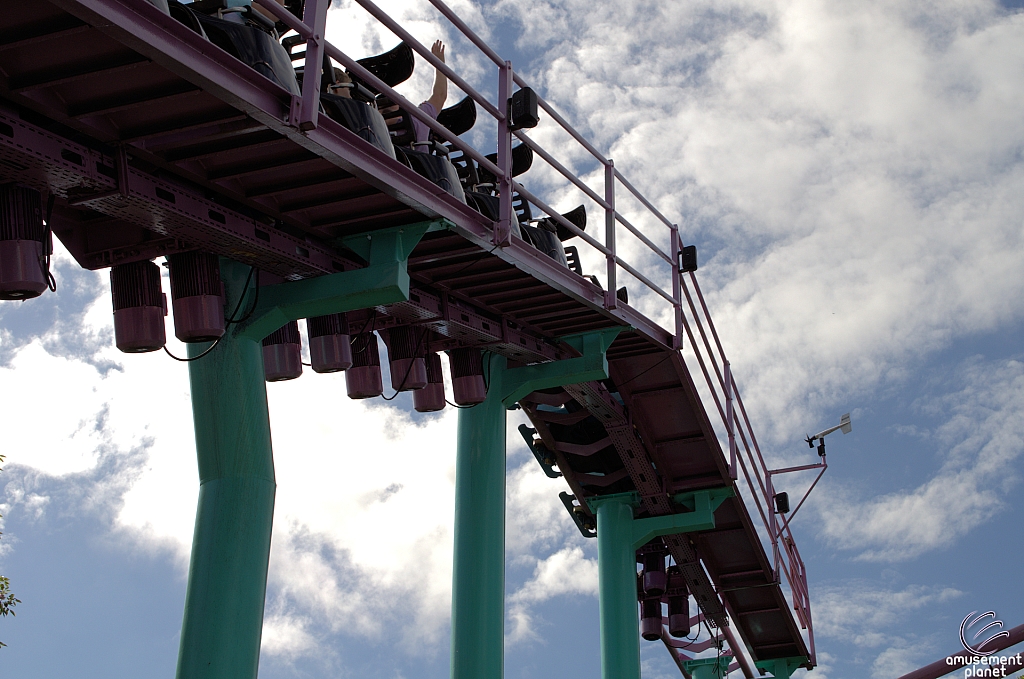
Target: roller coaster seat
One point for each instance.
(245, 34)
(361, 118)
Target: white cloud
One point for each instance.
(870, 616)
(851, 173)
(567, 572)
(980, 441)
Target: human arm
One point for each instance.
(440, 92)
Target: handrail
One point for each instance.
(693, 320)
(561, 168)
(640, 197)
(647, 241)
(406, 37)
(467, 31)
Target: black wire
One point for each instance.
(468, 266)
(44, 261)
(408, 371)
(641, 374)
(487, 388)
(231, 318)
(194, 358)
(366, 343)
(245, 290)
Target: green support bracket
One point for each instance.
(592, 365)
(478, 568)
(708, 668)
(781, 668)
(384, 281)
(701, 503)
(619, 535)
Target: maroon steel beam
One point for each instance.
(957, 661)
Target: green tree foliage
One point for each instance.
(7, 600)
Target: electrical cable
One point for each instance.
(44, 261)
(231, 319)
(194, 358)
(408, 371)
(245, 289)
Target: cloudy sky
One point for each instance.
(852, 175)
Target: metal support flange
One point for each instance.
(478, 575)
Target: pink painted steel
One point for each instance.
(956, 661)
(315, 16)
(139, 329)
(364, 381)
(21, 275)
(408, 374)
(610, 299)
(199, 318)
(502, 236)
(430, 398)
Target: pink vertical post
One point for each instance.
(610, 300)
(730, 421)
(315, 16)
(677, 296)
(773, 524)
(502, 235)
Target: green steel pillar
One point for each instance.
(619, 535)
(616, 572)
(227, 580)
(781, 668)
(478, 575)
(708, 668)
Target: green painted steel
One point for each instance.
(708, 668)
(384, 281)
(223, 618)
(591, 365)
(478, 575)
(616, 571)
(619, 535)
(781, 668)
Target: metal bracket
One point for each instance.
(706, 668)
(384, 281)
(548, 467)
(587, 530)
(781, 668)
(592, 365)
(702, 504)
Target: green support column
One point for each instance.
(478, 575)
(708, 668)
(227, 581)
(616, 572)
(781, 668)
(619, 535)
(478, 570)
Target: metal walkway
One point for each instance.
(154, 141)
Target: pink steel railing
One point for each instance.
(692, 320)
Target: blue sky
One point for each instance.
(852, 175)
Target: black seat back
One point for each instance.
(361, 118)
(572, 258)
(437, 169)
(545, 241)
(457, 119)
(393, 67)
(522, 160)
(577, 217)
(251, 45)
